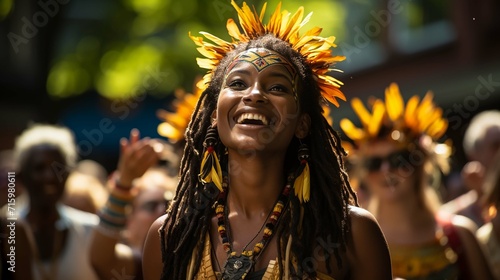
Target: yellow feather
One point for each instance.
(306, 189)
(284, 21)
(394, 102)
(410, 112)
(218, 41)
(176, 120)
(303, 40)
(297, 186)
(233, 29)
(330, 98)
(424, 110)
(205, 63)
(204, 159)
(263, 12)
(207, 53)
(167, 130)
(432, 117)
(293, 25)
(215, 174)
(333, 81)
(306, 20)
(438, 128)
(302, 185)
(326, 114)
(191, 99)
(377, 117)
(361, 111)
(275, 20)
(351, 130)
(215, 178)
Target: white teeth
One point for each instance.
(250, 116)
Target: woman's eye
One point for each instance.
(279, 88)
(237, 84)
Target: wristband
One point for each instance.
(118, 185)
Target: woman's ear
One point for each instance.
(214, 118)
(303, 126)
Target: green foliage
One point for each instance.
(142, 46)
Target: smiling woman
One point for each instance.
(259, 96)
(400, 160)
(263, 191)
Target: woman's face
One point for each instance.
(44, 174)
(390, 171)
(257, 110)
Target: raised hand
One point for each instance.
(136, 156)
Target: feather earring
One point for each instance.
(302, 185)
(210, 170)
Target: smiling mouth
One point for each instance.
(392, 180)
(253, 119)
(50, 189)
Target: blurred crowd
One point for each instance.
(76, 220)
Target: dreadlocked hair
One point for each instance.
(325, 215)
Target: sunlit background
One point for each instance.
(104, 67)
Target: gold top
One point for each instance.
(285, 26)
(431, 260)
(206, 270)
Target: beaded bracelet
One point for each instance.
(113, 217)
(117, 184)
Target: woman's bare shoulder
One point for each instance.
(367, 248)
(476, 260)
(364, 226)
(158, 223)
(152, 260)
(356, 210)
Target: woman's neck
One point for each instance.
(42, 218)
(254, 184)
(404, 216)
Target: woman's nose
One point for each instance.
(385, 166)
(255, 95)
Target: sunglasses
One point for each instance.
(395, 160)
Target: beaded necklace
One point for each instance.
(238, 266)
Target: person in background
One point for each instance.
(351, 160)
(155, 191)
(140, 192)
(12, 195)
(58, 235)
(481, 142)
(15, 250)
(401, 162)
(84, 192)
(263, 191)
(489, 233)
(94, 169)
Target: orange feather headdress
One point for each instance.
(402, 123)
(285, 26)
(174, 124)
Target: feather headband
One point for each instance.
(285, 26)
(403, 124)
(414, 119)
(175, 123)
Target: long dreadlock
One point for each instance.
(326, 214)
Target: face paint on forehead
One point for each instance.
(261, 58)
